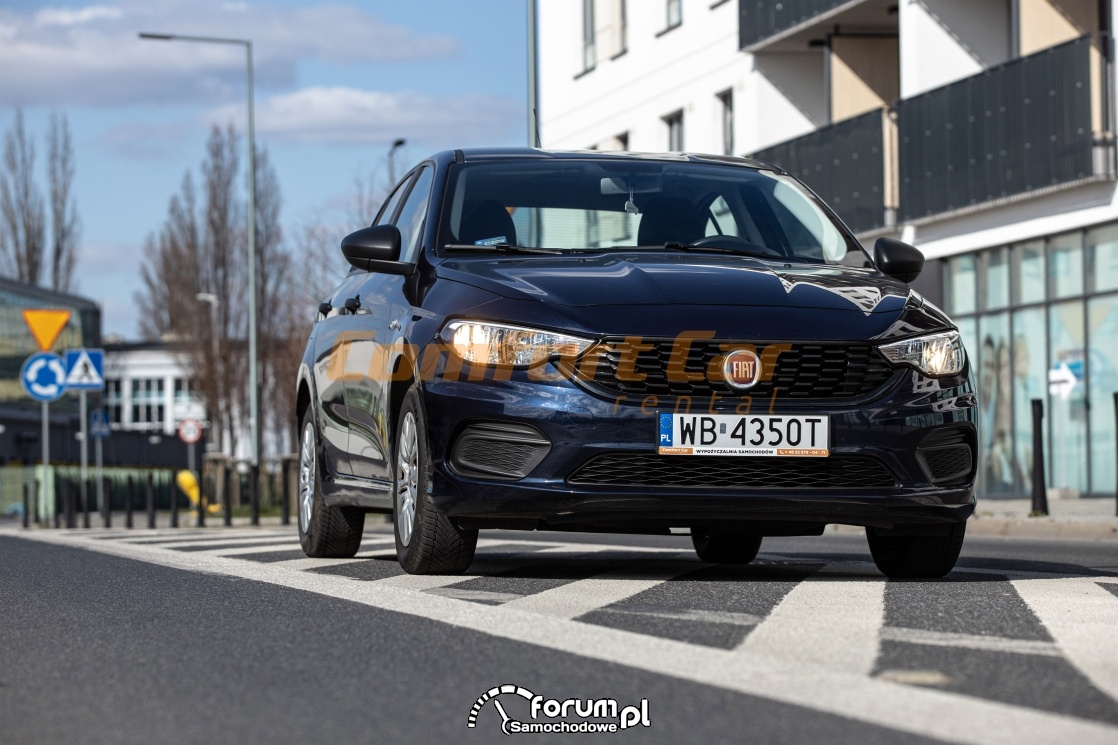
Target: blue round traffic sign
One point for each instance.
(43, 376)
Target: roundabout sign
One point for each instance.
(43, 376)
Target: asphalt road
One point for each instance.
(233, 635)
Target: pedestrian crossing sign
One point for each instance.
(85, 369)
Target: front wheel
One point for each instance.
(324, 531)
(427, 541)
(916, 556)
(725, 548)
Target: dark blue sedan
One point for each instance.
(589, 341)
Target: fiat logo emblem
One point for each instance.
(741, 369)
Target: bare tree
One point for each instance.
(63, 210)
(169, 272)
(21, 208)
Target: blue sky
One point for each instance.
(336, 83)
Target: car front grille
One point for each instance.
(802, 371)
(649, 469)
(947, 455)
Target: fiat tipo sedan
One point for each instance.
(584, 341)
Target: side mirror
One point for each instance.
(375, 249)
(898, 260)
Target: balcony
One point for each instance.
(1030, 125)
(790, 25)
(850, 165)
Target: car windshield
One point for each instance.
(579, 205)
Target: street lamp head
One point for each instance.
(400, 142)
(156, 37)
(206, 297)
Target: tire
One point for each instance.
(916, 556)
(427, 541)
(324, 531)
(725, 548)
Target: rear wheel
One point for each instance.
(725, 548)
(324, 531)
(916, 556)
(427, 541)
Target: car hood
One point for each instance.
(666, 295)
(674, 279)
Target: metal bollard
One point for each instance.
(128, 504)
(88, 486)
(1116, 452)
(202, 501)
(26, 506)
(106, 502)
(151, 501)
(254, 494)
(226, 496)
(285, 492)
(57, 505)
(71, 505)
(38, 504)
(174, 504)
(1040, 481)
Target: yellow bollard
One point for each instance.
(188, 483)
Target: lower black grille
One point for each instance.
(947, 455)
(798, 370)
(499, 450)
(649, 469)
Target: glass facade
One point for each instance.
(1040, 321)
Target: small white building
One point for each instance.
(148, 387)
(981, 131)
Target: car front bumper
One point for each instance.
(579, 425)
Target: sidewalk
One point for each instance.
(1067, 518)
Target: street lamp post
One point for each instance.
(253, 371)
(392, 160)
(209, 297)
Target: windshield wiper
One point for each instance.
(503, 248)
(759, 253)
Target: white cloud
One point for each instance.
(349, 115)
(92, 56)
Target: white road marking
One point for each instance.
(932, 713)
(689, 614)
(1083, 619)
(290, 545)
(230, 542)
(485, 596)
(578, 598)
(835, 624)
(969, 641)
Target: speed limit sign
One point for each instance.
(190, 431)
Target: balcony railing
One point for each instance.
(760, 19)
(1031, 124)
(850, 165)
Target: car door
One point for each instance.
(367, 395)
(331, 353)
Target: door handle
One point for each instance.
(352, 304)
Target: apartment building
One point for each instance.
(981, 131)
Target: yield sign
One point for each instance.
(45, 324)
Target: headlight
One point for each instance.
(935, 355)
(498, 344)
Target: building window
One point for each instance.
(589, 53)
(727, 99)
(675, 13)
(674, 123)
(1040, 321)
(147, 402)
(114, 402)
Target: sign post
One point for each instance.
(84, 372)
(99, 430)
(45, 325)
(190, 431)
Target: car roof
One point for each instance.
(527, 153)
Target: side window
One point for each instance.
(386, 211)
(413, 213)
